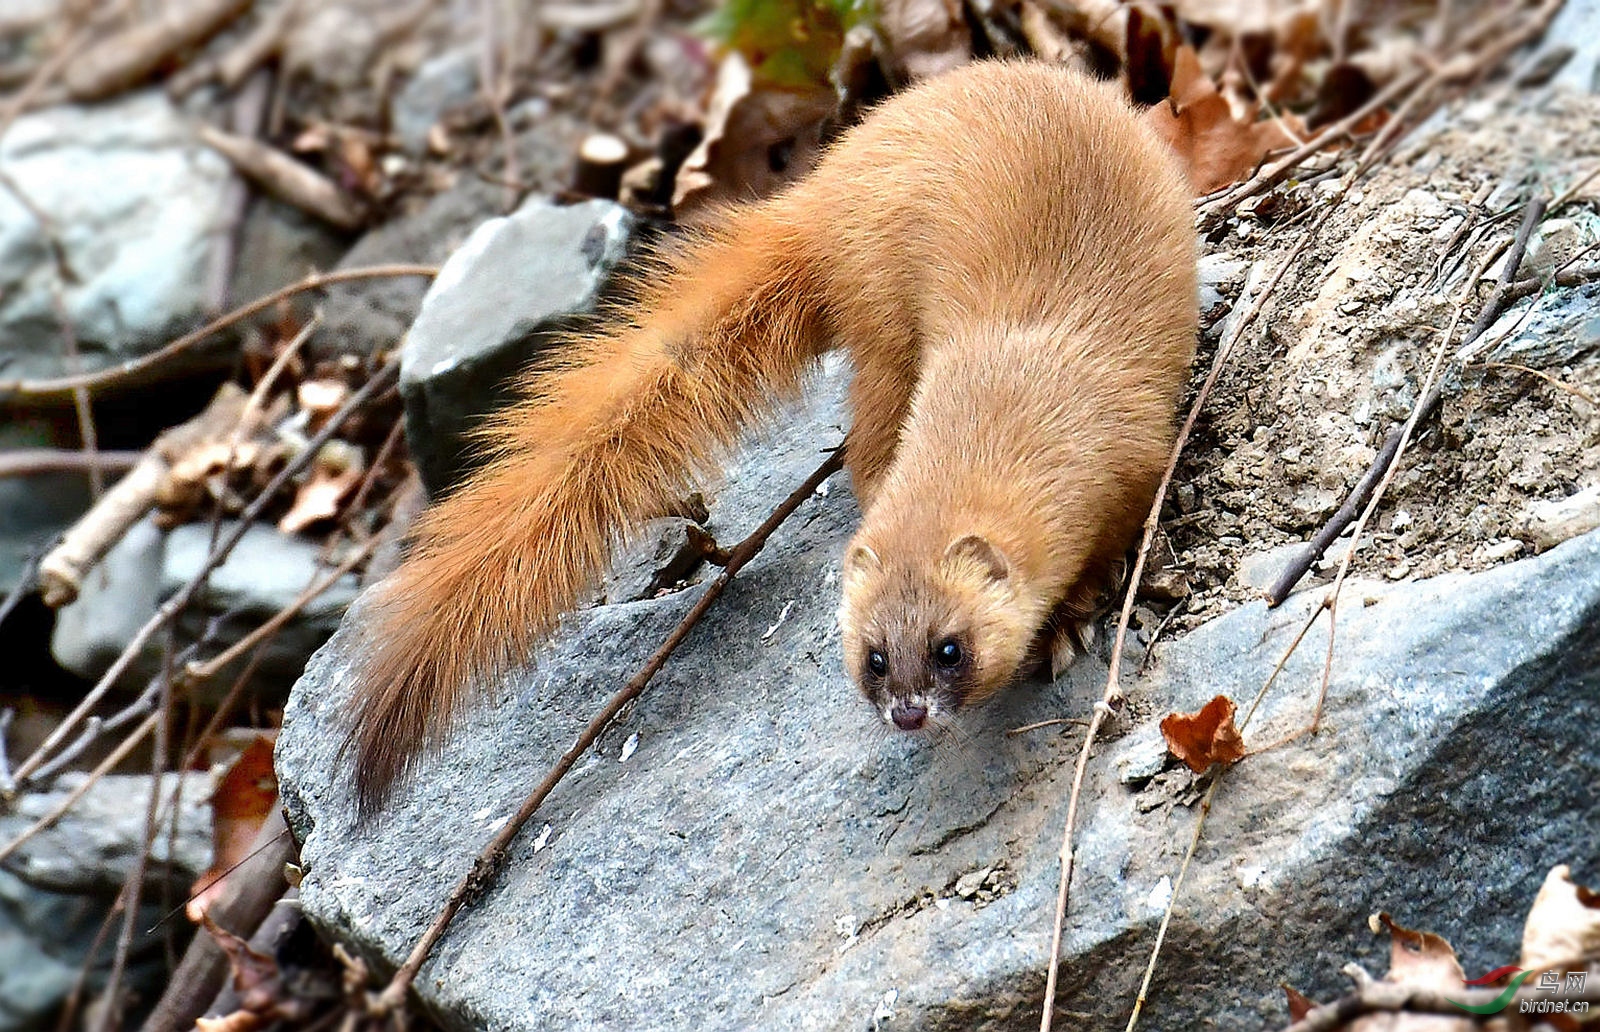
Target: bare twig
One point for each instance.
(29, 462)
(1172, 899)
(1336, 525)
(116, 756)
(110, 1014)
(1395, 997)
(293, 182)
(41, 390)
(488, 863)
(122, 60)
(207, 670)
(1572, 389)
(88, 540)
(253, 891)
(379, 382)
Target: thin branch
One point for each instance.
(40, 390)
(30, 462)
(110, 1015)
(379, 382)
(207, 670)
(1392, 997)
(116, 756)
(488, 863)
(1172, 898)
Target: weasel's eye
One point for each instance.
(878, 663)
(948, 653)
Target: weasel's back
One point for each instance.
(1023, 191)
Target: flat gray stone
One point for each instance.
(480, 325)
(59, 886)
(136, 204)
(766, 855)
(265, 572)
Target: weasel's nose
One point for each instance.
(907, 717)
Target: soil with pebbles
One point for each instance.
(1340, 354)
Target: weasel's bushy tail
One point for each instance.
(613, 436)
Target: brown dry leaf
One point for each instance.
(1299, 1004)
(243, 799)
(320, 399)
(1424, 960)
(335, 472)
(925, 37)
(1563, 924)
(755, 140)
(1203, 738)
(259, 985)
(1216, 148)
(1152, 50)
(1103, 23)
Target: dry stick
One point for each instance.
(1575, 391)
(38, 390)
(1113, 693)
(488, 862)
(1363, 490)
(1172, 899)
(1461, 68)
(379, 382)
(1391, 997)
(96, 532)
(110, 1013)
(29, 462)
(1331, 602)
(1275, 173)
(94, 728)
(117, 755)
(80, 396)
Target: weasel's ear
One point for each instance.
(859, 562)
(977, 549)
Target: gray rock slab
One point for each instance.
(512, 288)
(136, 205)
(763, 854)
(58, 887)
(265, 572)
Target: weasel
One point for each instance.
(1007, 255)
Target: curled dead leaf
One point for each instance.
(1206, 737)
(1424, 960)
(335, 472)
(240, 804)
(1216, 148)
(1563, 924)
(320, 399)
(756, 139)
(925, 37)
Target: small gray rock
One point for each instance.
(135, 204)
(442, 84)
(61, 884)
(265, 572)
(516, 285)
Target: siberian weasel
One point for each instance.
(1007, 255)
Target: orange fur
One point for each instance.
(1008, 257)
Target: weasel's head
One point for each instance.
(924, 639)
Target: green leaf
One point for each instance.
(788, 43)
